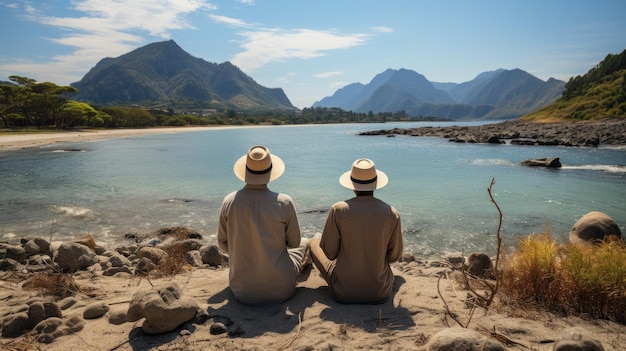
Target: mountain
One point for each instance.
(600, 93)
(164, 74)
(496, 94)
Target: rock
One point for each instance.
(15, 325)
(577, 339)
(74, 256)
(67, 303)
(455, 258)
(593, 227)
(15, 252)
(95, 310)
(548, 162)
(164, 308)
(8, 264)
(461, 339)
(115, 270)
(52, 328)
(118, 316)
(144, 266)
(480, 265)
(87, 240)
(211, 255)
(39, 311)
(218, 328)
(154, 254)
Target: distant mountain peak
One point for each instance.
(496, 94)
(162, 73)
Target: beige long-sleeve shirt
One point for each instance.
(364, 235)
(256, 226)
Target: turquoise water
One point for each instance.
(143, 183)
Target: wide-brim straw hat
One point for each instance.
(259, 166)
(363, 176)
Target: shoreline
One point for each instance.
(426, 295)
(34, 140)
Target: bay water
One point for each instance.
(143, 183)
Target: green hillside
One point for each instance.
(599, 94)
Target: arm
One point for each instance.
(222, 229)
(292, 225)
(331, 236)
(395, 247)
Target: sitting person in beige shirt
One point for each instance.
(361, 237)
(259, 230)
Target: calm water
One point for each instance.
(143, 183)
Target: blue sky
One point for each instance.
(312, 48)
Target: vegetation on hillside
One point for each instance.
(598, 94)
(27, 103)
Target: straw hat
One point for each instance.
(364, 176)
(258, 166)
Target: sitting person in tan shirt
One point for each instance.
(361, 237)
(259, 230)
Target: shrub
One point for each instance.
(572, 279)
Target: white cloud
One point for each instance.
(104, 31)
(272, 45)
(228, 20)
(327, 74)
(246, 2)
(382, 29)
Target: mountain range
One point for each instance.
(500, 94)
(162, 74)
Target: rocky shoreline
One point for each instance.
(572, 134)
(171, 292)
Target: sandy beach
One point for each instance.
(32, 140)
(311, 320)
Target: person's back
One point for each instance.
(256, 228)
(361, 237)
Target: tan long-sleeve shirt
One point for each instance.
(364, 235)
(256, 226)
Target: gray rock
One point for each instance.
(480, 265)
(211, 255)
(144, 266)
(74, 256)
(95, 310)
(154, 254)
(577, 339)
(164, 308)
(593, 227)
(461, 339)
(117, 316)
(118, 260)
(15, 325)
(39, 311)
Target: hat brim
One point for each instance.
(381, 181)
(278, 168)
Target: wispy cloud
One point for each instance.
(228, 20)
(107, 28)
(382, 29)
(274, 45)
(328, 74)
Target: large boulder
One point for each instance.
(74, 256)
(548, 162)
(594, 227)
(164, 308)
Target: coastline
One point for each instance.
(24, 141)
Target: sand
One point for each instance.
(311, 320)
(33, 140)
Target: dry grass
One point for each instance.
(572, 279)
(174, 262)
(52, 283)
